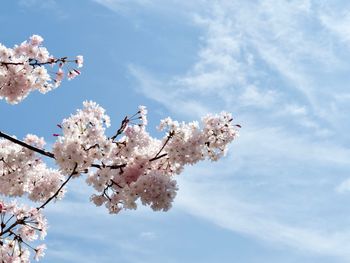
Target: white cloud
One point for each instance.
(122, 5)
(148, 235)
(221, 205)
(337, 21)
(251, 96)
(343, 187)
(155, 90)
(256, 54)
(274, 63)
(49, 4)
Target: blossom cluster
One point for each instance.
(23, 69)
(23, 172)
(84, 138)
(137, 166)
(20, 225)
(126, 168)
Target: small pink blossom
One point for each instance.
(36, 40)
(79, 60)
(39, 252)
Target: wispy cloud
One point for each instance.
(282, 67)
(343, 187)
(224, 209)
(49, 6)
(265, 50)
(148, 235)
(122, 5)
(131, 236)
(275, 188)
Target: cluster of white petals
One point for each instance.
(125, 169)
(137, 166)
(23, 172)
(20, 225)
(83, 138)
(23, 69)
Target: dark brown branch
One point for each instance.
(117, 166)
(17, 222)
(121, 129)
(26, 145)
(158, 157)
(115, 183)
(59, 189)
(91, 147)
(114, 166)
(36, 63)
(47, 153)
(171, 134)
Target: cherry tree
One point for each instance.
(126, 168)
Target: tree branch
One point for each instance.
(59, 189)
(18, 221)
(121, 129)
(47, 153)
(26, 145)
(36, 63)
(157, 156)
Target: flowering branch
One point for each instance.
(26, 145)
(131, 165)
(123, 125)
(171, 134)
(23, 225)
(59, 189)
(35, 63)
(22, 69)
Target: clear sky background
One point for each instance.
(281, 67)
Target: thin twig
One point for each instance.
(18, 221)
(59, 189)
(35, 62)
(157, 157)
(171, 134)
(121, 129)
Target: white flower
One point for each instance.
(39, 252)
(79, 60)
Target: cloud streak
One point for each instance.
(247, 219)
(282, 68)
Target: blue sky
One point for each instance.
(281, 67)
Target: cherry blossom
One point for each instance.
(23, 172)
(20, 225)
(23, 69)
(126, 167)
(137, 166)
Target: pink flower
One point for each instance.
(59, 75)
(39, 252)
(36, 40)
(79, 60)
(72, 74)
